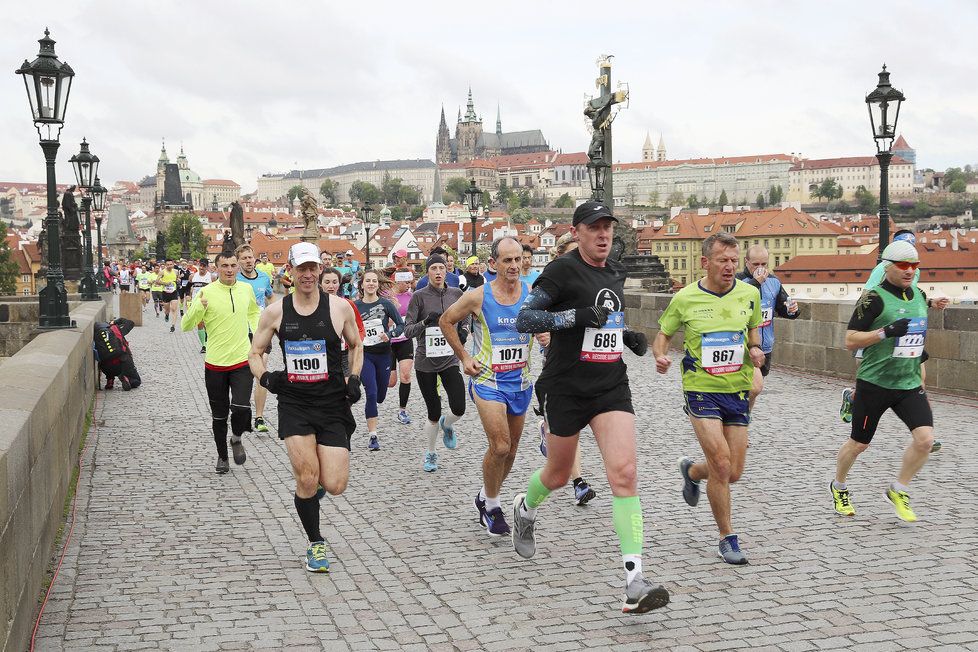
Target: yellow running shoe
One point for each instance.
(842, 504)
(901, 503)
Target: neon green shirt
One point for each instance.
(168, 280)
(231, 313)
(154, 282)
(268, 268)
(715, 336)
(143, 279)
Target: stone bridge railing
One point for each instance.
(815, 340)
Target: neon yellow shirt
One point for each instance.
(154, 284)
(715, 336)
(268, 268)
(231, 314)
(168, 281)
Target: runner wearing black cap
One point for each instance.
(578, 299)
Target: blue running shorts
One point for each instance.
(731, 409)
(517, 403)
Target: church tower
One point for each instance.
(660, 152)
(648, 151)
(468, 134)
(443, 146)
(499, 122)
(161, 164)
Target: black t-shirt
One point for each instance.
(572, 283)
(870, 305)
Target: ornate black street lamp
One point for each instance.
(880, 104)
(366, 211)
(98, 204)
(85, 165)
(474, 195)
(48, 83)
(249, 230)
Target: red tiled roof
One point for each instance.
(901, 143)
(763, 222)
(576, 158)
(845, 162)
(23, 265)
(941, 265)
(486, 164)
(726, 160)
(535, 160)
(220, 182)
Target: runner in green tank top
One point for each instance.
(890, 323)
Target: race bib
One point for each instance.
(722, 353)
(170, 287)
(373, 329)
(403, 277)
(767, 316)
(436, 346)
(605, 344)
(305, 361)
(509, 351)
(911, 345)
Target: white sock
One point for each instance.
(900, 487)
(633, 566)
(528, 512)
(431, 433)
(372, 433)
(451, 418)
(482, 493)
(492, 503)
(839, 486)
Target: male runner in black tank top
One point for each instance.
(314, 416)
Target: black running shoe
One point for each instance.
(237, 449)
(222, 466)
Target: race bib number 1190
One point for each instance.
(305, 361)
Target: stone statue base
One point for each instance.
(71, 256)
(310, 234)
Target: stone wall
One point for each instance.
(45, 392)
(815, 341)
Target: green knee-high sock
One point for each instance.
(536, 493)
(627, 514)
(202, 336)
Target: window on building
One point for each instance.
(810, 240)
(27, 292)
(683, 246)
(683, 264)
(26, 278)
(682, 279)
(777, 243)
(516, 182)
(675, 246)
(528, 181)
(675, 263)
(766, 241)
(777, 261)
(757, 242)
(658, 246)
(730, 228)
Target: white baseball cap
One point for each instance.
(900, 251)
(303, 252)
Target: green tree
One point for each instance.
(486, 199)
(676, 198)
(513, 203)
(328, 190)
(865, 200)
(8, 267)
(364, 191)
(393, 191)
(456, 187)
(723, 201)
(957, 186)
(654, 198)
(416, 212)
(521, 216)
(296, 192)
(504, 193)
(185, 224)
(828, 190)
(693, 201)
(564, 201)
(524, 197)
(397, 212)
(410, 195)
(760, 200)
(775, 195)
(631, 192)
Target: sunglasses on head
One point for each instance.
(905, 264)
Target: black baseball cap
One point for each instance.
(590, 212)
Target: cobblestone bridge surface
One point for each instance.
(168, 555)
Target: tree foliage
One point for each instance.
(654, 198)
(760, 200)
(775, 195)
(185, 224)
(8, 267)
(866, 201)
(957, 186)
(328, 190)
(693, 201)
(676, 198)
(521, 215)
(296, 192)
(455, 189)
(394, 191)
(365, 192)
(504, 193)
(828, 190)
(564, 201)
(723, 201)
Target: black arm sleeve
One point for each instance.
(534, 317)
(868, 308)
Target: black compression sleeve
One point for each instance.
(868, 308)
(535, 318)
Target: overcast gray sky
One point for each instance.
(256, 86)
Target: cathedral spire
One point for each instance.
(499, 122)
(436, 197)
(442, 123)
(470, 115)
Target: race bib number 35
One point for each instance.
(305, 361)
(510, 351)
(722, 353)
(435, 344)
(604, 344)
(911, 345)
(373, 329)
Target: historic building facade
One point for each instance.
(417, 173)
(472, 142)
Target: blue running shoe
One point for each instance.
(481, 506)
(583, 493)
(316, 561)
(320, 492)
(691, 488)
(543, 438)
(730, 551)
(403, 417)
(448, 436)
(495, 522)
(430, 462)
(374, 444)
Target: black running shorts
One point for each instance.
(333, 426)
(169, 296)
(567, 415)
(403, 350)
(871, 401)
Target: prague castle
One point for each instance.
(471, 142)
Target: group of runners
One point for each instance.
(447, 325)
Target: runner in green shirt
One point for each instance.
(720, 317)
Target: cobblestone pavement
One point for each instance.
(168, 555)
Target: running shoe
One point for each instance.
(181, 312)
(403, 417)
(109, 383)
(260, 424)
(495, 524)
(320, 492)
(543, 438)
(430, 462)
(936, 446)
(203, 349)
(448, 436)
(846, 410)
(126, 384)
(523, 540)
(843, 505)
(172, 328)
(642, 596)
(481, 506)
(222, 466)
(901, 504)
(373, 444)
(691, 488)
(730, 551)
(316, 561)
(583, 493)
(237, 449)
(166, 317)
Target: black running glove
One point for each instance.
(897, 328)
(637, 342)
(353, 389)
(593, 317)
(432, 319)
(273, 381)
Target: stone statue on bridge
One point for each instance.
(237, 224)
(309, 210)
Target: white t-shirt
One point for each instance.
(124, 276)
